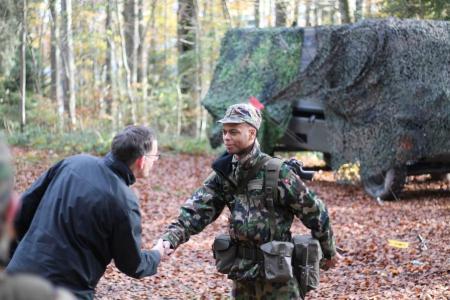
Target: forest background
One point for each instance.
(74, 72)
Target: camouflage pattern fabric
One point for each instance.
(242, 113)
(262, 290)
(249, 225)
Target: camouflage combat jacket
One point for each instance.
(249, 221)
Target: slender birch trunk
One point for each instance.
(23, 66)
(57, 92)
(69, 63)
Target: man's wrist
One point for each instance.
(168, 237)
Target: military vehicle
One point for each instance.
(375, 92)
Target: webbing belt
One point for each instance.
(249, 253)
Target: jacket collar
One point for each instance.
(224, 164)
(119, 168)
(250, 159)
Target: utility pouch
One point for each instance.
(278, 261)
(224, 252)
(307, 256)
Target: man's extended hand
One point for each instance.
(159, 247)
(167, 248)
(332, 262)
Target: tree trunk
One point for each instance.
(144, 55)
(280, 13)
(226, 13)
(333, 13)
(129, 88)
(23, 66)
(142, 32)
(368, 8)
(57, 92)
(345, 11)
(186, 35)
(256, 11)
(131, 34)
(358, 10)
(110, 81)
(296, 8)
(316, 14)
(308, 13)
(66, 10)
(198, 72)
(186, 44)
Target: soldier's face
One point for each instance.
(238, 137)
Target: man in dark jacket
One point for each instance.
(81, 214)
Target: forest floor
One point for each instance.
(372, 267)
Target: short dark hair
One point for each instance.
(132, 143)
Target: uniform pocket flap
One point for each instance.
(222, 242)
(278, 248)
(255, 184)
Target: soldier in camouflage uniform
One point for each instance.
(249, 225)
(18, 287)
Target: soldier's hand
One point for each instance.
(167, 248)
(159, 247)
(332, 262)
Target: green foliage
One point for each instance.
(9, 39)
(65, 143)
(42, 132)
(185, 144)
(422, 9)
(348, 174)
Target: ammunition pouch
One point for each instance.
(307, 256)
(277, 261)
(225, 251)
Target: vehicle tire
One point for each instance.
(327, 160)
(387, 185)
(438, 176)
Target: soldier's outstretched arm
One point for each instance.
(201, 209)
(309, 208)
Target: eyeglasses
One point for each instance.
(155, 156)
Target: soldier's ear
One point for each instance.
(252, 132)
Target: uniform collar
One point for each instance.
(248, 160)
(119, 168)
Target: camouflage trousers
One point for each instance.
(263, 290)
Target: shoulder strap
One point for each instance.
(272, 169)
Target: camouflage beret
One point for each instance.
(242, 113)
(6, 173)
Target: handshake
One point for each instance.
(163, 247)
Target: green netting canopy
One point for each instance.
(255, 63)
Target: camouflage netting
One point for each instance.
(259, 63)
(386, 89)
(385, 85)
